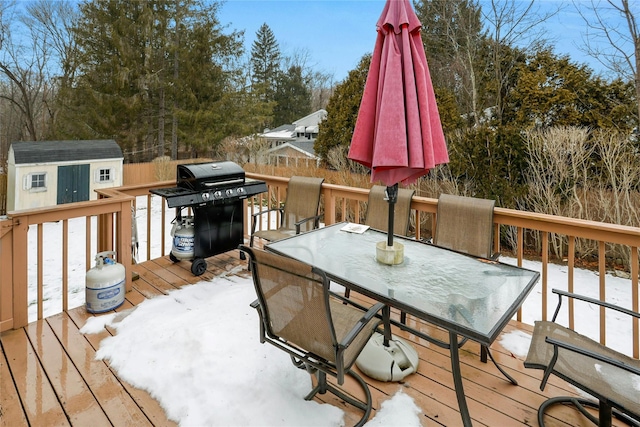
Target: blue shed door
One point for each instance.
(73, 183)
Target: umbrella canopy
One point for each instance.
(398, 134)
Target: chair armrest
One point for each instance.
(599, 357)
(302, 221)
(557, 344)
(353, 333)
(562, 293)
(254, 216)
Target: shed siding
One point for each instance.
(20, 197)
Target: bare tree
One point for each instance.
(22, 71)
(319, 83)
(34, 48)
(52, 21)
(613, 38)
(454, 38)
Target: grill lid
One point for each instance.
(202, 176)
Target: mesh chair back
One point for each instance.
(295, 303)
(302, 201)
(378, 210)
(465, 224)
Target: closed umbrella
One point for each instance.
(398, 134)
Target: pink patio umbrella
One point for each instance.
(398, 134)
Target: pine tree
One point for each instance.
(148, 63)
(265, 63)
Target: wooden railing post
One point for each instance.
(20, 272)
(6, 274)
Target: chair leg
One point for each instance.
(323, 386)
(605, 412)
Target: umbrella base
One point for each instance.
(390, 255)
(391, 363)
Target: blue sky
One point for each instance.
(336, 33)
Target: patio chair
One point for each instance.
(465, 224)
(612, 378)
(300, 316)
(299, 213)
(378, 210)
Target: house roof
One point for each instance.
(312, 119)
(56, 151)
(284, 132)
(302, 145)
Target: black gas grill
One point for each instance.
(215, 192)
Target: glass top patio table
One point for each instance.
(472, 297)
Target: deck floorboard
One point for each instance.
(49, 374)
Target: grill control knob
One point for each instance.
(229, 192)
(217, 194)
(240, 190)
(205, 196)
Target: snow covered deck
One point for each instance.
(50, 376)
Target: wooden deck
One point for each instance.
(49, 375)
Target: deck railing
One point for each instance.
(339, 203)
(114, 232)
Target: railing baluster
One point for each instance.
(87, 233)
(163, 232)
(39, 281)
(545, 272)
(602, 271)
(65, 265)
(634, 299)
(520, 255)
(571, 256)
(520, 243)
(149, 226)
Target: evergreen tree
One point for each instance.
(265, 63)
(551, 90)
(342, 111)
(148, 63)
(293, 98)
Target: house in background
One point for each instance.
(292, 145)
(47, 173)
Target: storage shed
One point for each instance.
(47, 173)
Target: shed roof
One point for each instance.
(56, 151)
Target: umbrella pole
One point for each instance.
(392, 198)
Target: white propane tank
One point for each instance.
(183, 234)
(105, 284)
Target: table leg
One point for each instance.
(457, 379)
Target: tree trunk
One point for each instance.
(161, 114)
